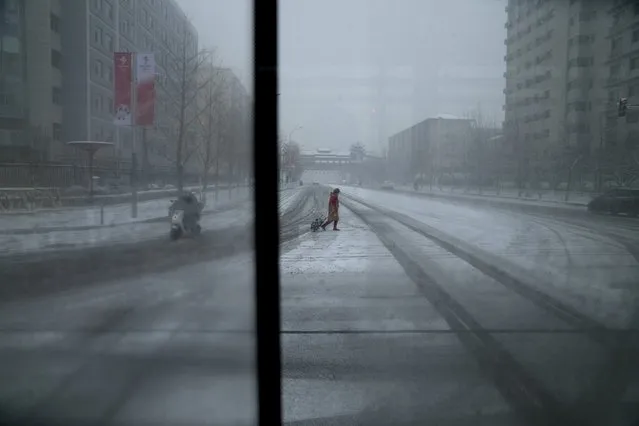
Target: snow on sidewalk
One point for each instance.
(551, 199)
(118, 214)
(132, 232)
(11, 245)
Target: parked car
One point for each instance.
(616, 201)
(387, 185)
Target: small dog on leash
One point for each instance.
(317, 223)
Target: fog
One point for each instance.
(362, 70)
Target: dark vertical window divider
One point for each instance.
(265, 163)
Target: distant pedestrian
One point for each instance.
(333, 210)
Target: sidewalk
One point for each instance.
(34, 244)
(226, 213)
(548, 198)
(75, 219)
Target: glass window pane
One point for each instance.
(112, 308)
(470, 142)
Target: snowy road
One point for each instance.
(577, 257)
(382, 324)
(162, 349)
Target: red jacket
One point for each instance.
(333, 202)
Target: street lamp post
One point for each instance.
(90, 147)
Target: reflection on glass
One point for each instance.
(472, 143)
(125, 212)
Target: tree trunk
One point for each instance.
(145, 158)
(230, 179)
(180, 177)
(217, 177)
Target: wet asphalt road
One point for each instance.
(369, 336)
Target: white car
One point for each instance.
(387, 185)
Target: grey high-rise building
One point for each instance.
(91, 32)
(558, 73)
(536, 75)
(30, 79)
(622, 134)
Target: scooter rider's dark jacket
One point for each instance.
(189, 204)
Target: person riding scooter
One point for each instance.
(190, 205)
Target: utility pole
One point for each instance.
(134, 158)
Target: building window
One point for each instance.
(97, 68)
(634, 63)
(97, 35)
(635, 36)
(587, 16)
(56, 59)
(56, 131)
(96, 103)
(55, 23)
(582, 61)
(97, 5)
(616, 44)
(110, 105)
(632, 117)
(56, 96)
(615, 70)
(109, 10)
(110, 74)
(108, 42)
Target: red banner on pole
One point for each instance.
(122, 104)
(145, 90)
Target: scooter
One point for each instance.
(180, 228)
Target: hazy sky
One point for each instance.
(352, 70)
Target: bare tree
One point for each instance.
(181, 86)
(213, 121)
(292, 161)
(480, 157)
(225, 141)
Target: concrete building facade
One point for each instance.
(433, 147)
(586, 50)
(536, 75)
(92, 31)
(30, 79)
(622, 134)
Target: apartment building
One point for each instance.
(432, 147)
(562, 90)
(30, 79)
(92, 31)
(622, 134)
(587, 74)
(536, 75)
